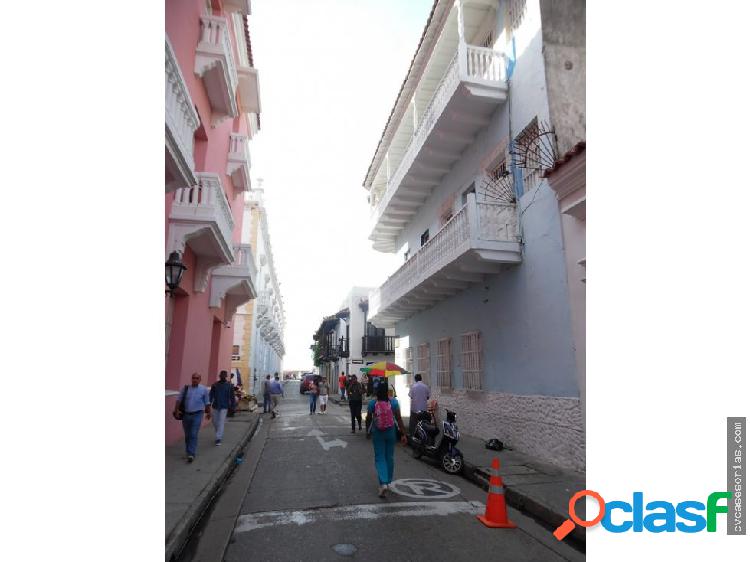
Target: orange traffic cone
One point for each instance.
(496, 513)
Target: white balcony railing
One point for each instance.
(205, 203)
(476, 64)
(486, 229)
(482, 73)
(215, 64)
(234, 283)
(181, 121)
(238, 161)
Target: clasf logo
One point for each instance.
(653, 517)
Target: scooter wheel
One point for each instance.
(452, 465)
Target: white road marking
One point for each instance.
(253, 521)
(422, 488)
(326, 444)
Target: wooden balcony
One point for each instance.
(381, 345)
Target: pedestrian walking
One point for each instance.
(419, 394)
(222, 400)
(195, 401)
(354, 391)
(265, 388)
(323, 396)
(277, 391)
(383, 414)
(342, 385)
(313, 393)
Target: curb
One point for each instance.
(526, 504)
(180, 535)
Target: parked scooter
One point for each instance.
(427, 440)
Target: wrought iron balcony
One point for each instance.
(478, 240)
(378, 344)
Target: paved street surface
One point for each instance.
(310, 493)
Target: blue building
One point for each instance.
(457, 187)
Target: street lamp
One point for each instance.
(173, 270)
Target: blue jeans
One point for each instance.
(384, 442)
(313, 402)
(191, 424)
(266, 403)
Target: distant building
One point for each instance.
(259, 329)
(482, 302)
(347, 341)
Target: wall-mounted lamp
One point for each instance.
(173, 270)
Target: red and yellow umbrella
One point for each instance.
(384, 369)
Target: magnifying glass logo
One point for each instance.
(569, 524)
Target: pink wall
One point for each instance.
(193, 320)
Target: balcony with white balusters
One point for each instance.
(201, 218)
(215, 64)
(238, 161)
(479, 239)
(453, 97)
(234, 283)
(181, 121)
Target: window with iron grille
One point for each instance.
(423, 362)
(471, 360)
(530, 163)
(516, 12)
(444, 363)
(424, 238)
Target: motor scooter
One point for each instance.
(427, 440)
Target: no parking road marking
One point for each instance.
(423, 488)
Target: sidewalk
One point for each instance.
(189, 488)
(541, 490)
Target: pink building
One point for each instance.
(212, 112)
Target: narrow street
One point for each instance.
(313, 496)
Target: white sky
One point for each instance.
(329, 74)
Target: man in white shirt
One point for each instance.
(419, 394)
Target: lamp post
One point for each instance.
(173, 270)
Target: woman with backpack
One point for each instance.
(383, 414)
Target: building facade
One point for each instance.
(456, 186)
(211, 114)
(259, 328)
(347, 341)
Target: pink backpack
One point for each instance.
(383, 415)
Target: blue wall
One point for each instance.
(522, 312)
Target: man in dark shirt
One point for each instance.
(355, 391)
(222, 399)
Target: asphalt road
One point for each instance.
(309, 492)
